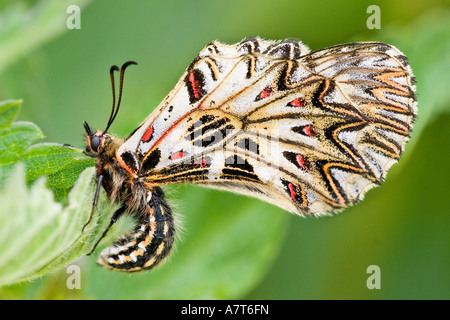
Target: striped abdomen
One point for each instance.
(149, 243)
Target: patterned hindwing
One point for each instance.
(310, 133)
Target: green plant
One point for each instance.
(38, 234)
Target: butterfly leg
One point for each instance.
(94, 203)
(116, 215)
(149, 243)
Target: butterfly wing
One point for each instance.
(309, 132)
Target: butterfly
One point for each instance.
(310, 132)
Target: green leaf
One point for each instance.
(60, 164)
(39, 235)
(8, 112)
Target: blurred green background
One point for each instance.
(403, 226)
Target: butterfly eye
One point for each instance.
(95, 143)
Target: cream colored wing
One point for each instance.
(309, 132)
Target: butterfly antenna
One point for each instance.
(115, 110)
(111, 75)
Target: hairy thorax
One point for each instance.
(121, 186)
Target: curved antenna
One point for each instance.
(111, 75)
(115, 110)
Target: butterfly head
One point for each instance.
(96, 141)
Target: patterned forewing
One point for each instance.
(310, 133)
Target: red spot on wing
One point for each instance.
(299, 102)
(148, 134)
(296, 193)
(292, 191)
(194, 85)
(308, 130)
(301, 161)
(177, 155)
(200, 163)
(268, 91)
